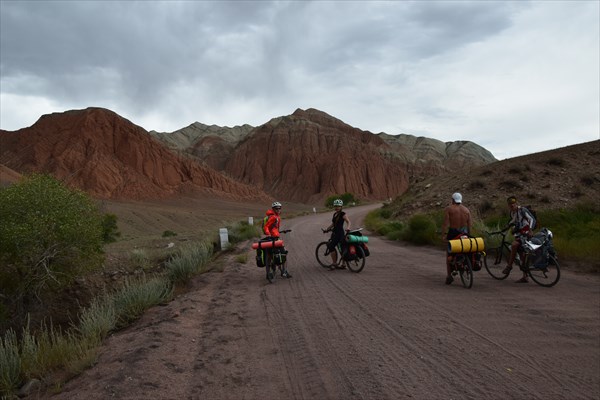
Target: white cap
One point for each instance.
(457, 197)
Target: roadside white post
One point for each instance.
(314, 210)
(250, 220)
(224, 238)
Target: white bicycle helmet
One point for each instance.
(276, 204)
(338, 203)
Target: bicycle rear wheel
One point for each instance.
(357, 264)
(493, 262)
(324, 255)
(466, 271)
(270, 269)
(547, 276)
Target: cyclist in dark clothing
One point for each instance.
(337, 230)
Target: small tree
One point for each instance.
(48, 235)
(110, 231)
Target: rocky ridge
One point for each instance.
(106, 155)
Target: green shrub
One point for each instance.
(10, 373)
(49, 234)
(188, 261)
(421, 230)
(97, 320)
(110, 232)
(139, 258)
(139, 295)
(168, 234)
(385, 213)
(242, 231)
(388, 228)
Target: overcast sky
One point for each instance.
(516, 77)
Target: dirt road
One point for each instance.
(394, 331)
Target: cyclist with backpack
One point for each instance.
(337, 231)
(270, 228)
(523, 223)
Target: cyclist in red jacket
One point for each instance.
(271, 228)
(272, 220)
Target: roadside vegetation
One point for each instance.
(52, 235)
(576, 230)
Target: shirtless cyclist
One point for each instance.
(457, 222)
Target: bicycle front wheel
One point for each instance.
(324, 255)
(546, 276)
(493, 262)
(358, 263)
(466, 272)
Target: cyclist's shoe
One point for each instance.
(285, 274)
(522, 280)
(449, 279)
(507, 270)
(270, 276)
(454, 273)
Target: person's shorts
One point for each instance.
(335, 239)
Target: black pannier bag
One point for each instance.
(279, 255)
(260, 258)
(261, 254)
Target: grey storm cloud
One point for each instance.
(423, 67)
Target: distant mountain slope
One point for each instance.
(552, 179)
(210, 144)
(108, 156)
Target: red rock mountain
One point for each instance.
(110, 157)
(309, 155)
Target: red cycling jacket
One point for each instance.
(271, 226)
